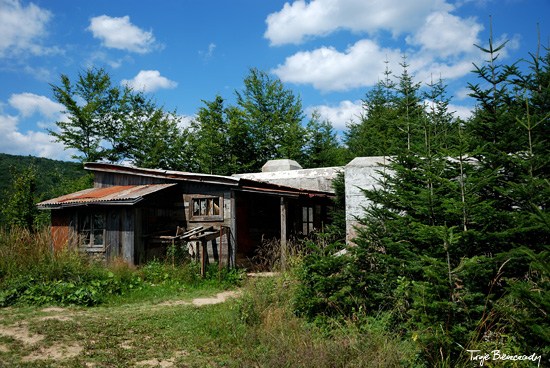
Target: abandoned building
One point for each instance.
(136, 213)
(360, 173)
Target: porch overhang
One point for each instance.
(120, 195)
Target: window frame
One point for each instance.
(87, 243)
(308, 219)
(205, 199)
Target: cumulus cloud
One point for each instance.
(327, 69)
(463, 112)
(28, 103)
(148, 81)
(458, 111)
(31, 142)
(445, 34)
(300, 20)
(23, 28)
(437, 42)
(120, 33)
(338, 115)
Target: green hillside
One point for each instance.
(51, 174)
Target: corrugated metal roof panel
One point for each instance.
(169, 174)
(121, 194)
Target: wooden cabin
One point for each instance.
(137, 213)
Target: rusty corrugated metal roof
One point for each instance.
(120, 194)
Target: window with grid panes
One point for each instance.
(307, 220)
(206, 208)
(92, 232)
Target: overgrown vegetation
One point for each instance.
(26, 180)
(32, 274)
(129, 324)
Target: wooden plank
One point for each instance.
(112, 240)
(192, 232)
(127, 235)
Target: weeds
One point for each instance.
(276, 337)
(32, 274)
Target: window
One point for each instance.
(92, 232)
(307, 220)
(206, 208)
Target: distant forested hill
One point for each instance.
(50, 173)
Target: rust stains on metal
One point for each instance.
(102, 192)
(121, 194)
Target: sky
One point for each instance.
(328, 52)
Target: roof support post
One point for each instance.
(284, 210)
(232, 245)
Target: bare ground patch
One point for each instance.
(20, 332)
(219, 298)
(55, 352)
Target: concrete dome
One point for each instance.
(281, 165)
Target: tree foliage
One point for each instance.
(20, 207)
(112, 123)
(456, 238)
(265, 123)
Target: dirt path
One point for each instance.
(219, 298)
(62, 351)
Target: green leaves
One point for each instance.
(108, 122)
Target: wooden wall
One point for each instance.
(106, 179)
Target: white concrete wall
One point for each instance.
(360, 173)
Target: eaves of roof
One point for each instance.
(236, 182)
(116, 195)
(166, 174)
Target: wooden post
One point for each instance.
(203, 257)
(228, 238)
(220, 256)
(173, 251)
(233, 231)
(283, 233)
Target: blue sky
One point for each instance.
(329, 52)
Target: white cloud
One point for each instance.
(328, 69)
(339, 115)
(439, 43)
(207, 55)
(185, 121)
(463, 112)
(148, 81)
(32, 142)
(22, 28)
(445, 34)
(119, 33)
(101, 57)
(41, 74)
(299, 20)
(29, 103)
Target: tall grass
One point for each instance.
(275, 337)
(25, 252)
(32, 273)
